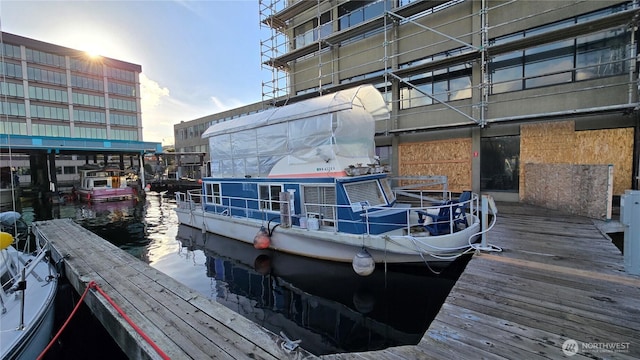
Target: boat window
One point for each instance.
(365, 191)
(7, 281)
(212, 193)
(320, 201)
(388, 191)
(270, 197)
(97, 183)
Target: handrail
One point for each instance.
(189, 200)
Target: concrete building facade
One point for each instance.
(62, 105)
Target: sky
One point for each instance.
(198, 57)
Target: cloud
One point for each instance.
(151, 93)
(161, 110)
(220, 105)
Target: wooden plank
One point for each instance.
(450, 345)
(558, 319)
(105, 312)
(259, 336)
(468, 342)
(527, 318)
(154, 308)
(610, 288)
(141, 291)
(586, 274)
(536, 342)
(147, 302)
(227, 318)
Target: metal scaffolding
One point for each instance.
(281, 51)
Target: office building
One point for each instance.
(500, 96)
(69, 105)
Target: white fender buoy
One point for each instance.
(363, 263)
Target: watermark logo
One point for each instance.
(571, 347)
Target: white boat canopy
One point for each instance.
(314, 137)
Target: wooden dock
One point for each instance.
(557, 279)
(180, 322)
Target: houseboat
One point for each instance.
(304, 179)
(104, 184)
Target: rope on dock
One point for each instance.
(93, 285)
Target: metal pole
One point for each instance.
(24, 287)
(485, 221)
(629, 215)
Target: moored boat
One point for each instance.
(296, 296)
(304, 179)
(104, 184)
(29, 286)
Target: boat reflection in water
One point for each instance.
(324, 304)
(121, 222)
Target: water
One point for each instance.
(326, 305)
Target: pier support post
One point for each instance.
(629, 215)
(487, 203)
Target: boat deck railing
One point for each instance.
(404, 216)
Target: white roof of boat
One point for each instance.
(365, 96)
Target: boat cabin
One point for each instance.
(310, 154)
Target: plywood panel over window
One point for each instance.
(608, 146)
(451, 158)
(559, 143)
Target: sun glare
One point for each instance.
(92, 54)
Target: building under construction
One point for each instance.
(531, 101)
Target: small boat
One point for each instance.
(104, 184)
(304, 179)
(29, 286)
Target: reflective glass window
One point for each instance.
(13, 127)
(11, 89)
(11, 70)
(500, 163)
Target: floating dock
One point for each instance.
(179, 322)
(557, 289)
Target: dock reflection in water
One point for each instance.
(326, 305)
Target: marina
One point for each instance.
(523, 302)
(418, 180)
